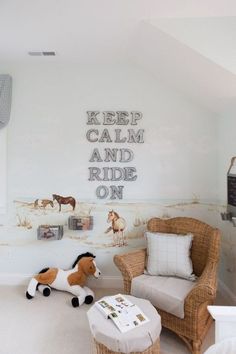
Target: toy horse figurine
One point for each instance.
(72, 280)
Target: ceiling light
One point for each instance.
(42, 53)
(35, 54)
(49, 53)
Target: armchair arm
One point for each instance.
(205, 288)
(131, 265)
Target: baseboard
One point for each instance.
(14, 279)
(105, 281)
(226, 292)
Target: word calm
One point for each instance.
(122, 155)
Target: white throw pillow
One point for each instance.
(169, 255)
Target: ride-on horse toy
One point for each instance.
(72, 280)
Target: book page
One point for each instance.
(123, 313)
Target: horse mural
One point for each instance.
(64, 200)
(42, 203)
(118, 225)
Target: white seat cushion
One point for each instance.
(166, 293)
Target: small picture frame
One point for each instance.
(80, 222)
(50, 232)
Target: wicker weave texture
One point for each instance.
(205, 256)
(102, 349)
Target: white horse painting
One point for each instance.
(118, 225)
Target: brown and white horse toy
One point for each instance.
(118, 225)
(72, 280)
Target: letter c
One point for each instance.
(89, 133)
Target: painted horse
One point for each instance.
(42, 203)
(118, 225)
(72, 280)
(64, 200)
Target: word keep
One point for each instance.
(111, 117)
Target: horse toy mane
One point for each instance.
(87, 254)
(72, 280)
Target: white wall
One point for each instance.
(227, 129)
(48, 151)
(227, 149)
(3, 169)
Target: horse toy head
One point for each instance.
(88, 266)
(87, 254)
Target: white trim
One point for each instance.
(225, 321)
(226, 292)
(105, 281)
(14, 279)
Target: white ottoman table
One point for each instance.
(108, 339)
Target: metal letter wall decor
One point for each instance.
(111, 155)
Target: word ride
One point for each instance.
(112, 174)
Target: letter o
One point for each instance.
(102, 192)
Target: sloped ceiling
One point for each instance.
(89, 30)
(213, 37)
(184, 68)
(175, 50)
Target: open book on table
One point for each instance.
(122, 312)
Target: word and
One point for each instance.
(122, 155)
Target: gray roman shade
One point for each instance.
(5, 99)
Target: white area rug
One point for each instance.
(52, 326)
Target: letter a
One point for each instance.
(96, 157)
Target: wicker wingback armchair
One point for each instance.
(205, 256)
